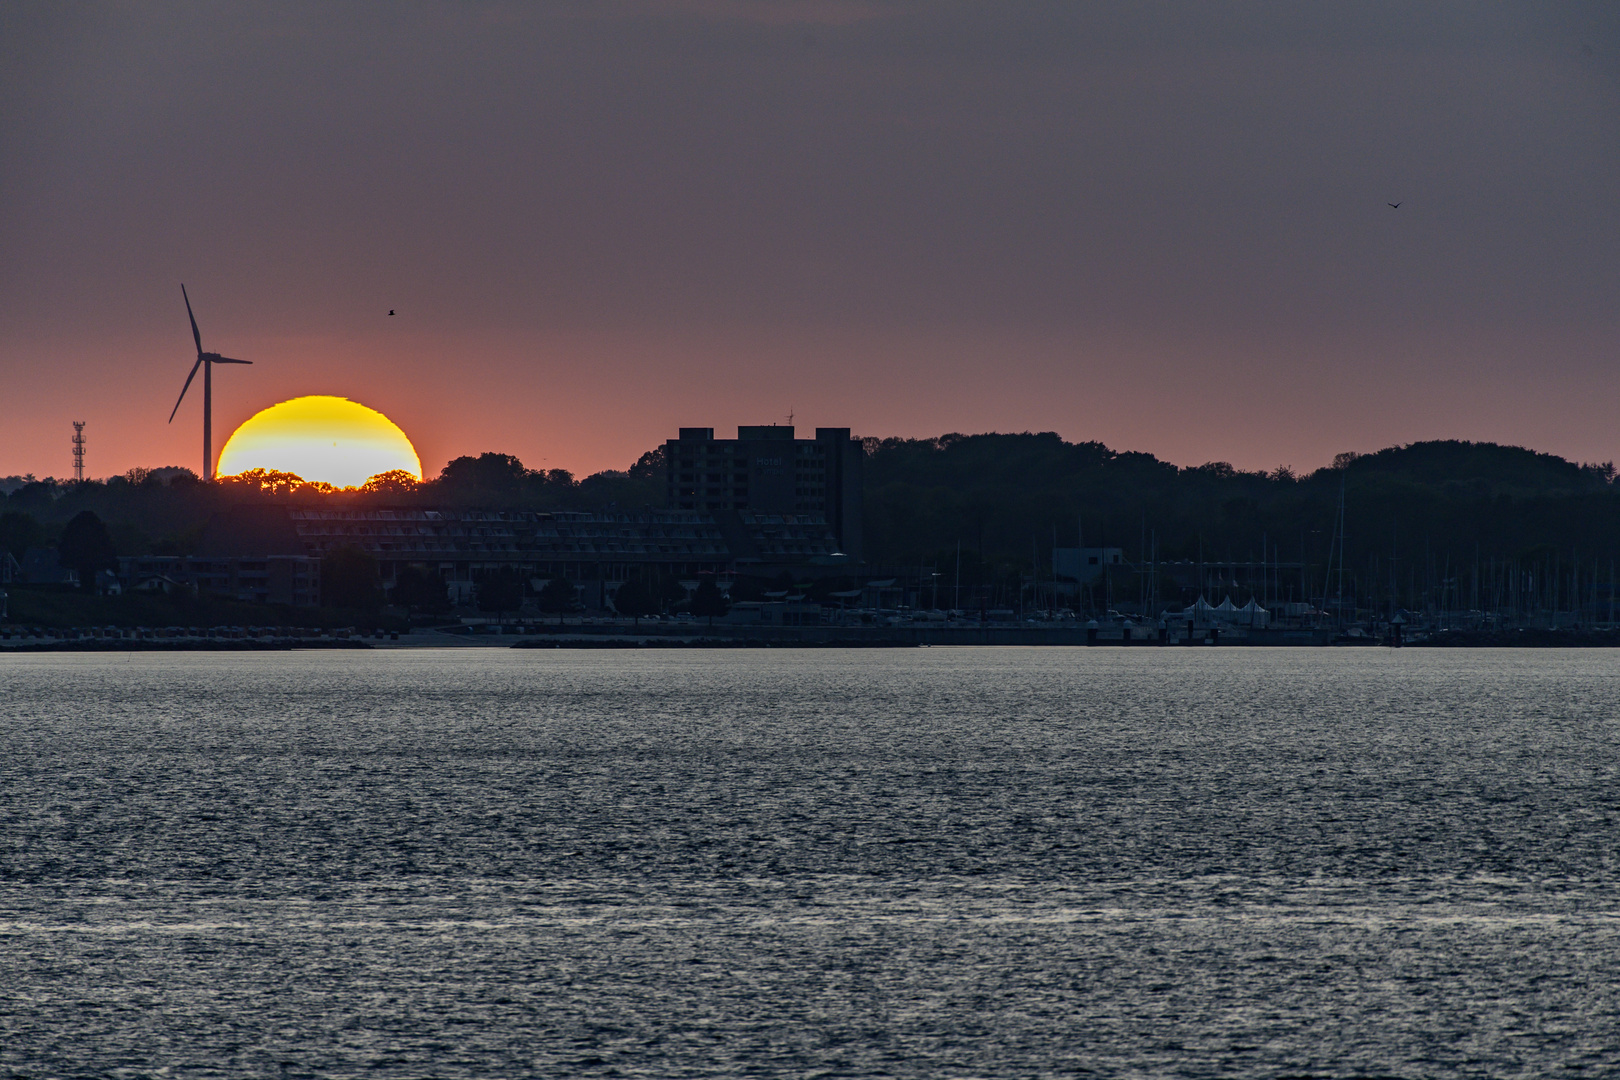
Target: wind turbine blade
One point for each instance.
(186, 387)
(228, 360)
(195, 333)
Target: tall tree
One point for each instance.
(649, 466)
(500, 592)
(670, 592)
(487, 475)
(708, 601)
(349, 579)
(392, 482)
(558, 597)
(86, 547)
(420, 589)
(635, 599)
(19, 532)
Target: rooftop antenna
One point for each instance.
(78, 450)
(206, 361)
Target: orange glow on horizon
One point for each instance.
(321, 439)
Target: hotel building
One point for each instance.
(769, 472)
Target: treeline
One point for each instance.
(1432, 523)
(164, 511)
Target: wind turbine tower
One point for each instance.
(78, 450)
(206, 361)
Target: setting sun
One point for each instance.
(327, 439)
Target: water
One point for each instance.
(929, 862)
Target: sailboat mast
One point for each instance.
(1341, 548)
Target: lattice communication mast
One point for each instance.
(78, 449)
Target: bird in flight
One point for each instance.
(390, 311)
(1392, 206)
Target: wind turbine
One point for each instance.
(206, 361)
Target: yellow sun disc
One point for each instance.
(328, 439)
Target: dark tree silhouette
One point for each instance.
(420, 589)
(489, 473)
(19, 532)
(649, 466)
(36, 496)
(349, 580)
(709, 601)
(557, 478)
(86, 547)
(558, 597)
(392, 482)
(635, 599)
(670, 592)
(500, 592)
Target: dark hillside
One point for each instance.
(1481, 469)
(1416, 517)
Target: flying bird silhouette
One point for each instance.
(1392, 206)
(390, 311)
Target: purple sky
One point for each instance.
(1160, 226)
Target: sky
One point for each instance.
(1160, 226)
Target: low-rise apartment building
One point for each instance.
(294, 580)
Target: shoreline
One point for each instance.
(184, 645)
(615, 638)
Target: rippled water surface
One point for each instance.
(929, 863)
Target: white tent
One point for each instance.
(1205, 613)
(1201, 611)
